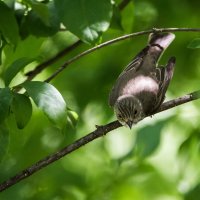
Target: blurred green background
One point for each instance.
(158, 159)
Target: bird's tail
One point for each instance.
(162, 40)
(151, 54)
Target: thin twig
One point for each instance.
(100, 131)
(31, 74)
(77, 57)
(178, 101)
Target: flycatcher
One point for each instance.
(140, 89)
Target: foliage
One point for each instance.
(194, 43)
(159, 159)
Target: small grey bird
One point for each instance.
(140, 89)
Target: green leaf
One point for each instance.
(48, 98)
(85, 18)
(193, 193)
(116, 22)
(15, 67)
(34, 25)
(22, 109)
(1, 48)
(148, 139)
(8, 24)
(72, 118)
(4, 140)
(194, 44)
(10, 3)
(5, 102)
(42, 11)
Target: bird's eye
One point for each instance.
(119, 116)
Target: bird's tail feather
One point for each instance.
(161, 39)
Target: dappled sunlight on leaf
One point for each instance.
(148, 139)
(49, 100)
(52, 138)
(120, 143)
(93, 115)
(166, 156)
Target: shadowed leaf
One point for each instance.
(4, 140)
(5, 102)
(15, 67)
(22, 109)
(194, 44)
(8, 24)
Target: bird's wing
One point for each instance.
(137, 61)
(164, 76)
(160, 40)
(132, 67)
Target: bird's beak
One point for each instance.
(129, 123)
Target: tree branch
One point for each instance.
(178, 101)
(77, 57)
(100, 131)
(31, 74)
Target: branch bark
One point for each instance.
(100, 131)
(84, 53)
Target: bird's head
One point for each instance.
(128, 110)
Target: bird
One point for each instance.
(140, 89)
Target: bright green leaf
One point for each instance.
(4, 140)
(85, 18)
(194, 44)
(72, 118)
(15, 67)
(5, 102)
(22, 109)
(48, 98)
(8, 24)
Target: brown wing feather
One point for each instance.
(134, 65)
(164, 76)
